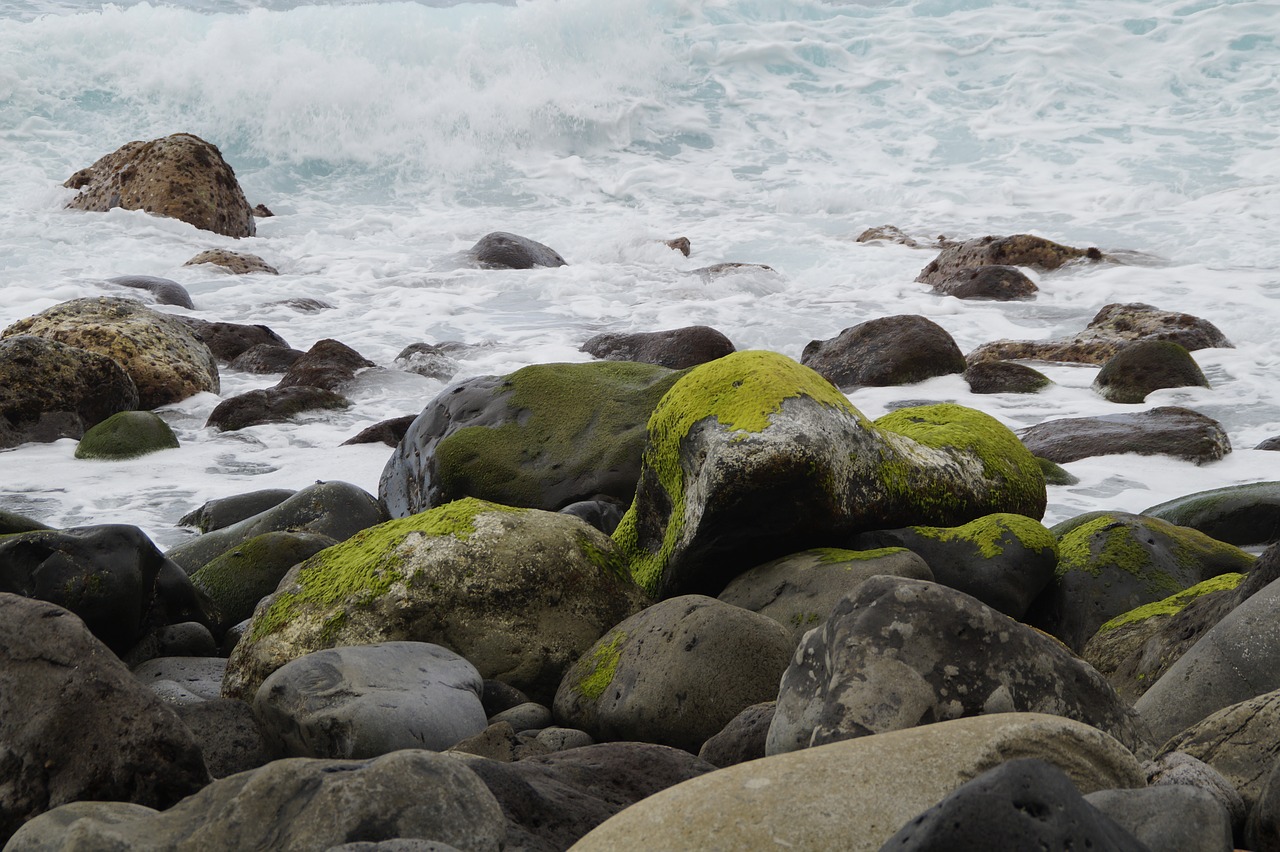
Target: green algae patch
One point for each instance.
(838, 556)
(604, 665)
(1175, 603)
(364, 567)
(127, 435)
(990, 534)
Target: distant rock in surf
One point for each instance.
(1146, 366)
(993, 281)
(674, 349)
(500, 250)
(1017, 250)
(887, 351)
(235, 262)
(1169, 430)
(167, 292)
(229, 340)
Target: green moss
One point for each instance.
(836, 556)
(364, 566)
(604, 665)
(992, 533)
(742, 392)
(126, 435)
(1174, 603)
(804, 619)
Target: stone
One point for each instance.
(680, 244)
(180, 177)
(499, 742)
(1240, 741)
(50, 390)
(799, 591)
(184, 639)
(127, 435)
(529, 716)
(1168, 817)
(369, 700)
(604, 514)
(390, 432)
(235, 262)
(228, 340)
(227, 733)
(994, 282)
(675, 349)
(12, 522)
(542, 437)
(500, 250)
(1056, 474)
(303, 305)
(761, 447)
(158, 352)
(328, 364)
(1113, 328)
(1177, 769)
(853, 795)
(742, 739)
(1262, 833)
(720, 270)
(1242, 515)
(75, 724)
(1112, 562)
(200, 676)
(897, 350)
(675, 673)
(1146, 366)
(264, 358)
(887, 234)
(429, 360)
(272, 405)
(1004, 377)
(520, 594)
(900, 653)
(165, 291)
(1169, 430)
(1017, 250)
(1021, 804)
(498, 696)
(556, 738)
(225, 511)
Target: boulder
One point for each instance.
(225, 511)
(227, 733)
(675, 673)
(526, 716)
(1018, 250)
(390, 432)
(228, 340)
(542, 437)
(266, 358)
(1112, 329)
(742, 739)
(500, 743)
(179, 177)
(1176, 769)
(680, 244)
(887, 234)
(1056, 474)
(1169, 430)
(998, 283)
(754, 456)
(75, 724)
(520, 594)
(184, 639)
(1112, 562)
(272, 405)
(127, 435)
(12, 522)
(720, 270)
(500, 250)
(854, 795)
(1238, 514)
(158, 352)
(604, 514)
(898, 350)
(1168, 817)
(428, 359)
(328, 365)
(675, 349)
(198, 677)
(1240, 741)
(165, 291)
(1146, 366)
(900, 653)
(1004, 377)
(50, 390)
(369, 700)
(235, 262)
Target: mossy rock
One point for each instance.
(542, 437)
(754, 456)
(1113, 562)
(12, 523)
(1146, 366)
(1056, 474)
(1239, 514)
(519, 593)
(127, 435)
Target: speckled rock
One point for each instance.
(328, 364)
(1169, 817)
(272, 405)
(500, 250)
(428, 359)
(1240, 741)
(994, 282)
(743, 738)
(235, 262)
(1169, 430)
(266, 358)
(675, 349)
(1017, 250)
(896, 350)
(1178, 769)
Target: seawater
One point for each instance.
(388, 137)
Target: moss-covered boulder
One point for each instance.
(1146, 366)
(127, 435)
(542, 437)
(1003, 560)
(1239, 514)
(755, 456)
(519, 593)
(1112, 562)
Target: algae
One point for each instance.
(990, 534)
(1175, 603)
(837, 556)
(604, 665)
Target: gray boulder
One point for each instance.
(1178, 769)
(200, 677)
(227, 732)
(229, 340)
(1168, 817)
(272, 405)
(1239, 514)
(674, 349)
(500, 250)
(328, 364)
(898, 350)
(743, 738)
(225, 511)
(1004, 377)
(165, 291)
(1240, 741)
(1170, 430)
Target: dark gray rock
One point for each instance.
(1168, 817)
(227, 732)
(186, 639)
(1241, 742)
(235, 262)
(1017, 250)
(742, 739)
(498, 696)
(228, 340)
(1238, 514)
(225, 511)
(328, 364)
(266, 358)
(604, 514)
(1146, 366)
(199, 676)
(272, 405)
(1004, 377)
(998, 283)
(556, 738)
(675, 349)
(165, 291)
(1262, 833)
(500, 742)
(1177, 769)
(12, 522)
(1169, 430)
(528, 716)
(720, 270)
(500, 250)
(390, 432)
(896, 350)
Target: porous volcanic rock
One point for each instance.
(998, 283)
(1242, 515)
(1004, 377)
(235, 262)
(328, 364)
(1017, 250)
(228, 340)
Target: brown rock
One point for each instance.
(1169, 430)
(887, 234)
(887, 351)
(235, 262)
(674, 349)
(999, 283)
(1017, 250)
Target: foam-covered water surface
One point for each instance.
(388, 137)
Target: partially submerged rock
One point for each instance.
(165, 291)
(1146, 366)
(228, 340)
(1004, 377)
(1017, 250)
(328, 364)
(272, 405)
(127, 435)
(998, 283)
(500, 250)
(896, 350)
(235, 262)
(1169, 430)
(1238, 514)
(675, 349)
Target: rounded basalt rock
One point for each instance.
(1017, 250)
(1146, 366)
(272, 405)
(266, 358)
(225, 511)
(680, 244)
(742, 739)
(328, 364)
(227, 733)
(1242, 515)
(675, 349)
(1004, 377)
(1174, 816)
(500, 250)
(227, 340)
(604, 514)
(127, 435)
(390, 432)
(166, 362)
(997, 283)
(896, 350)
(1180, 770)
(165, 291)
(1168, 430)
(235, 262)
(180, 177)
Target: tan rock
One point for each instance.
(235, 262)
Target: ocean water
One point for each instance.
(389, 136)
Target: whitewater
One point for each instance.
(388, 137)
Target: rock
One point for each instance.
(245, 574)
(390, 432)
(303, 804)
(235, 262)
(675, 349)
(369, 700)
(555, 738)
(184, 639)
(328, 364)
(227, 734)
(900, 653)
(899, 350)
(127, 435)
(720, 270)
(165, 291)
(427, 359)
(742, 739)
(1021, 804)
(1004, 377)
(166, 363)
(799, 591)
(1240, 741)
(111, 576)
(675, 673)
(1112, 562)
(1175, 769)
(499, 696)
(12, 522)
(1168, 817)
(1146, 366)
(1003, 560)
(1056, 474)
(854, 795)
(759, 445)
(604, 514)
(501, 250)
(75, 724)
(229, 340)
(887, 234)
(1112, 329)
(999, 283)
(304, 305)
(680, 244)
(1168, 430)
(180, 177)
(1262, 834)
(520, 594)
(1017, 250)
(225, 511)
(199, 676)
(272, 405)
(48, 831)
(542, 437)
(1238, 514)
(266, 358)
(529, 716)
(335, 509)
(499, 742)
(49, 390)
